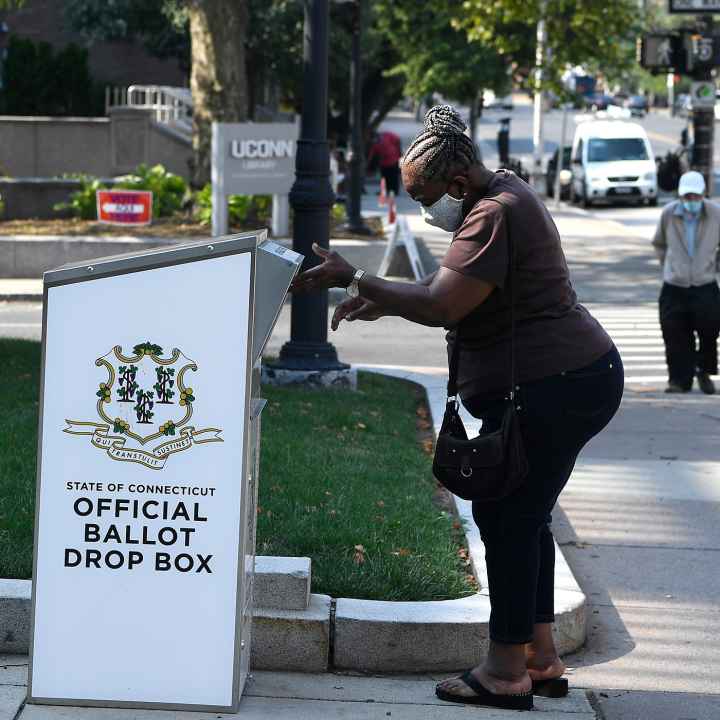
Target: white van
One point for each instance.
(613, 160)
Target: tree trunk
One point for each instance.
(218, 79)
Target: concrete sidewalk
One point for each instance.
(297, 696)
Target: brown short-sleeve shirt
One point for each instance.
(554, 333)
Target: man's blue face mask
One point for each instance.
(692, 206)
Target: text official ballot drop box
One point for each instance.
(147, 474)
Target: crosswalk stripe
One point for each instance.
(638, 337)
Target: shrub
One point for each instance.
(338, 213)
(83, 202)
(169, 190)
(242, 209)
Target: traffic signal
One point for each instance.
(682, 52)
(664, 53)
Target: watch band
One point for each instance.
(353, 289)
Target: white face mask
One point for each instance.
(446, 213)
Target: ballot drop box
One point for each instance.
(147, 474)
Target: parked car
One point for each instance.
(551, 172)
(637, 104)
(613, 160)
(599, 101)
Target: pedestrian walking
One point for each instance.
(569, 379)
(385, 152)
(686, 241)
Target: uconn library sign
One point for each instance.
(253, 159)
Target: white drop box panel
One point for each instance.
(147, 474)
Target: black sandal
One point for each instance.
(520, 701)
(551, 688)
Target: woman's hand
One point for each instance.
(356, 308)
(334, 272)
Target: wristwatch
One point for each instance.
(353, 289)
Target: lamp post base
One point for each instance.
(344, 379)
(310, 364)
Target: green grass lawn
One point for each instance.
(20, 381)
(345, 480)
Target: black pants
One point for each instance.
(392, 178)
(558, 416)
(683, 313)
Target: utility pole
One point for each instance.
(355, 222)
(538, 141)
(703, 53)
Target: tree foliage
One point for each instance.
(408, 48)
(597, 34)
(37, 80)
(438, 56)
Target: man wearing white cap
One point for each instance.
(686, 241)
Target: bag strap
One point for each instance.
(454, 362)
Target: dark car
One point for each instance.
(637, 105)
(552, 169)
(599, 101)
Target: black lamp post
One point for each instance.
(355, 221)
(311, 198)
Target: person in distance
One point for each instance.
(687, 240)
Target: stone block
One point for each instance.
(282, 582)
(14, 670)
(380, 636)
(11, 698)
(15, 616)
(296, 640)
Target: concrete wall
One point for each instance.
(49, 147)
(34, 197)
(135, 138)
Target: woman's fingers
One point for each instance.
(354, 314)
(343, 310)
(306, 280)
(320, 251)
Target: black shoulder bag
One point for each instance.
(492, 465)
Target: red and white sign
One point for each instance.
(124, 207)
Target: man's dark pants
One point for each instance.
(683, 313)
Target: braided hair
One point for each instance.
(442, 144)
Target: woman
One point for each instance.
(570, 379)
